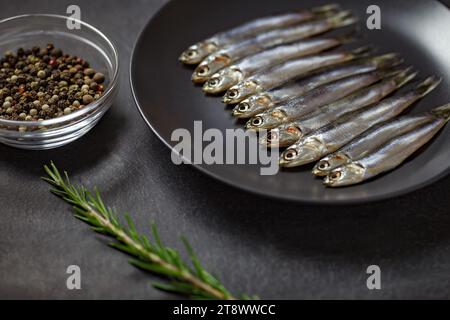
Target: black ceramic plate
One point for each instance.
(167, 99)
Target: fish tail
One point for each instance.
(362, 52)
(325, 9)
(388, 60)
(342, 19)
(427, 86)
(402, 77)
(442, 112)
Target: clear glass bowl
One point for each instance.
(86, 42)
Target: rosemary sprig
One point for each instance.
(148, 254)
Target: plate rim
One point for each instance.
(254, 191)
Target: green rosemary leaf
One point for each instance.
(198, 267)
(146, 243)
(82, 218)
(167, 287)
(124, 248)
(155, 268)
(182, 289)
(151, 256)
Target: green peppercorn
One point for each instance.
(41, 74)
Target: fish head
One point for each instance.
(208, 67)
(241, 91)
(196, 53)
(282, 136)
(252, 106)
(223, 80)
(302, 153)
(327, 164)
(266, 120)
(345, 175)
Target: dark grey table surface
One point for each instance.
(271, 248)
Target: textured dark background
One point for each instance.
(274, 249)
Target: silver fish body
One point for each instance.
(289, 70)
(381, 133)
(263, 101)
(196, 53)
(329, 113)
(369, 141)
(389, 156)
(313, 100)
(233, 74)
(228, 55)
(334, 136)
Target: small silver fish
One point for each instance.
(196, 53)
(382, 133)
(286, 133)
(334, 136)
(322, 97)
(289, 70)
(231, 75)
(390, 155)
(263, 101)
(229, 55)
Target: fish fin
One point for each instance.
(326, 8)
(342, 19)
(402, 77)
(428, 85)
(387, 60)
(442, 112)
(362, 52)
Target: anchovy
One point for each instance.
(379, 134)
(229, 55)
(334, 136)
(197, 52)
(231, 75)
(289, 70)
(288, 134)
(324, 95)
(266, 100)
(390, 155)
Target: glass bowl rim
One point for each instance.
(90, 107)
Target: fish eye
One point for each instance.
(323, 165)
(191, 53)
(290, 155)
(203, 70)
(244, 106)
(257, 121)
(233, 94)
(335, 175)
(213, 82)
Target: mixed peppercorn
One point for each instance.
(44, 83)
